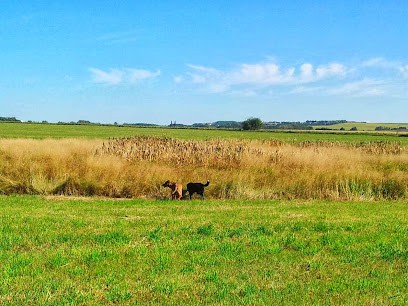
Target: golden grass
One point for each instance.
(238, 169)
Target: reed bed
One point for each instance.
(237, 169)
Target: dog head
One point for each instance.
(166, 183)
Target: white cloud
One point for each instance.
(330, 70)
(365, 87)
(380, 62)
(404, 70)
(306, 71)
(360, 88)
(136, 75)
(268, 73)
(197, 78)
(121, 76)
(386, 65)
(252, 77)
(113, 77)
(203, 68)
(217, 81)
(373, 77)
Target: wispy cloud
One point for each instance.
(309, 90)
(261, 75)
(372, 77)
(384, 64)
(330, 70)
(404, 70)
(380, 62)
(136, 75)
(361, 88)
(114, 77)
(119, 37)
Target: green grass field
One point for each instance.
(362, 126)
(60, 251)
(94, 251)
(27, 130)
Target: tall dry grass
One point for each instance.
(136, 167)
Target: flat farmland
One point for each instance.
(290, 218)
(41, 131)
(71, 251)
(363, 126)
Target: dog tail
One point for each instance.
(208, 183)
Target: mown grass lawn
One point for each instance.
(59, 251)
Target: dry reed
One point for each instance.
(137, 166)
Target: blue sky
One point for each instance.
(203, 61)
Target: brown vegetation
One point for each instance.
(270, 169)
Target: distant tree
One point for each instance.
(252, 124)
(11, 119)
(84, 122)
(382, 128)
(354, 128)
(227, 124)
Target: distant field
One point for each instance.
(88, 252)
(40, 131)
(362, 126)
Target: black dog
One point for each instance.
(196, 188)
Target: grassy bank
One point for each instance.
(81, 252)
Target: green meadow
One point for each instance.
(363, 126)
(41, 131)
(60, 251)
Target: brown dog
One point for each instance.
(176, 189)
